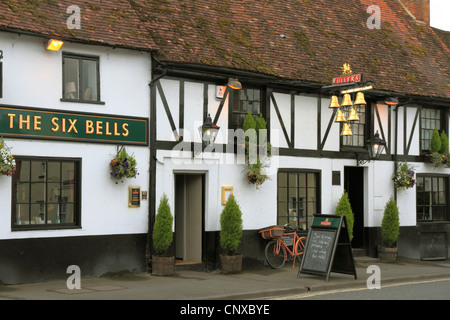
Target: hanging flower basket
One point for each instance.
(255, 174)
(122, 166)
(404, 176)
(7, 162)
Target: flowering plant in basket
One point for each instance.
(404, 176)
(123, 165)
(7, 162)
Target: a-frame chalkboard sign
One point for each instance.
(328, 248)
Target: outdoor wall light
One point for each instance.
(208, 131)
(54, 45)
(233, 83)
(375, 147)
(391, 101)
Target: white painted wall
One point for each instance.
(32, 77)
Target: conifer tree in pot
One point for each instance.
(390, 226)
(230, 236)
(345, 209)
(162, 239)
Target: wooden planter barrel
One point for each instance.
(231, 264)
(386, 254)
(162, 266)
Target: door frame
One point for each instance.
(355, 175)
(202, 174)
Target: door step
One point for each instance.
(359, 252)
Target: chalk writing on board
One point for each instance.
(319, 250)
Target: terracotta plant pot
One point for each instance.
(386, 254)
(162, 266)
(231, 264)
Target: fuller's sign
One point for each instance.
(22, 122)
(347, 79)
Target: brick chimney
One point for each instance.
(418, 9)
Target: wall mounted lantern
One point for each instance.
(375, 147)
(54, 45)
(208, 132)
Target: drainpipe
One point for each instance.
(152, 162)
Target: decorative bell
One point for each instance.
(340, 117)
(360, 99)
(346, 131)
(346, 101)
(353, 116)
(334, 102)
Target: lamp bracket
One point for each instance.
(359, 161)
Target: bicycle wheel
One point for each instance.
(300, 248)
(275, 259)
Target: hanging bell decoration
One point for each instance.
(353, 115)
(346, 101)
(334, 103)
(346, 131)
(340, 117)
(360, 99)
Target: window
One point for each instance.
(243, 101)
(45, 193)
(430, 119)
(432, 198)
(298, 197)
(81, 79)
(357, 139)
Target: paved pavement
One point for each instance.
(259, 283)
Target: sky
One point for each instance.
(440, 14)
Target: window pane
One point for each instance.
(38, 171)
(292, 180)
(432, 198)
(23, 170)
(89, 72)
(22, 214)
(282, 194)
(282, 179)
(48, 196)
(70, 78)
(67, 213)
(300, 209)
(37, 192)
(54, 171)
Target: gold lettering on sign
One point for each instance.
(37, 123)
(125, 130)
(11, 118)
(89, 127)
(22, 122)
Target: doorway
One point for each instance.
(354, 186)
(189, 213)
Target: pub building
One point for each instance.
(147, 78)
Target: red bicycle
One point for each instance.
(282, 238)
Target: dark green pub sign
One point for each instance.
(33, 123)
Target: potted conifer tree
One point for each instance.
(345, 209)
(162, 264)
(390, 226)
(230, 236)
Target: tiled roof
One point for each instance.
(110, 22)
(303, 40)
(307, 40)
